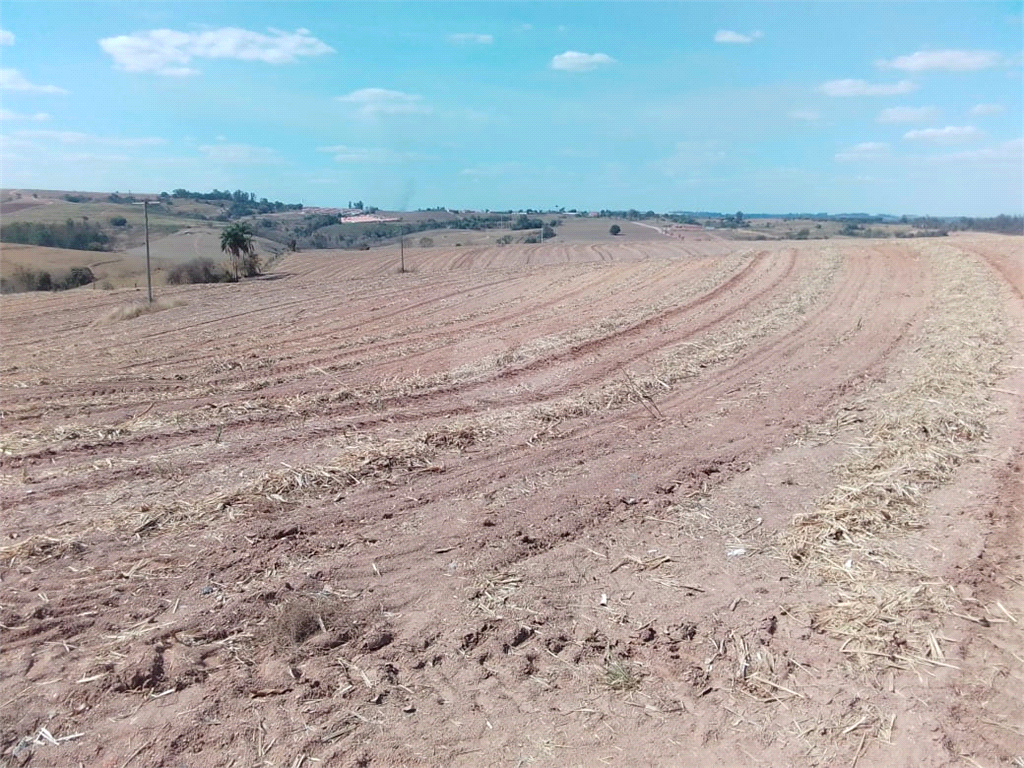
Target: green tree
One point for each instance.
(237, 240)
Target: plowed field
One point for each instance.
(654, 503)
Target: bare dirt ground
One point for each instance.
(635, 503)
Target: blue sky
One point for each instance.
(761, 107)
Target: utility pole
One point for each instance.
(149, 274)
(402, 241)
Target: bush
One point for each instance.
(78, 276)
(426, 242)
(119, 221)
(505, 240)
(614, 229)
(198, 271)
(25, 279)
(70, 234)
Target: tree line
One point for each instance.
(238, 203)
(75, 235)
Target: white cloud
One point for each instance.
(60, 137)
(76, 137)
(6, 114)
(1006, 152)
(863, 151)
(574, 61)
(13, 80)
(804, 114)
(142, 141)
(987, 109)
(168, 52)
(372, 102)
(907, 115)
(728, 36)
(6, 38)
(346, 154)
(471, 37)
(951, 61)
(864, 88)
(947, 135)
(244, 154)
(493, 170)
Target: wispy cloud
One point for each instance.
(864, 88)
(574, 61)
(60, 137)
(728, 36)
(1005, 152)
(13, 80)
(240, 154)
(864, 151)
(492, 170)
(345, 154)
(77, 137)
(907, 114)
(951, 61)
(948, 135)
(6, 114)
(987, 109)
(168, 52)
(804, 114)
(371, 102)
(6, 38)
(471, 37)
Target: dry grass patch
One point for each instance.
(40, 549)
(689, 360)
(620, 674)
(491, 594)
(301, 617)
(131, 311)
(356, 464)
(913, 440)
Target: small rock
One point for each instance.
(377, 640)
(520, 636)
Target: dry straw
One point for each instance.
(913, 439)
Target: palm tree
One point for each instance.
(237, 239)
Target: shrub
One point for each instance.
(78, 276)
(25, 279)
(119, 221)
(426, 242)
(198, 271)
(614, 229)
(70, 234)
